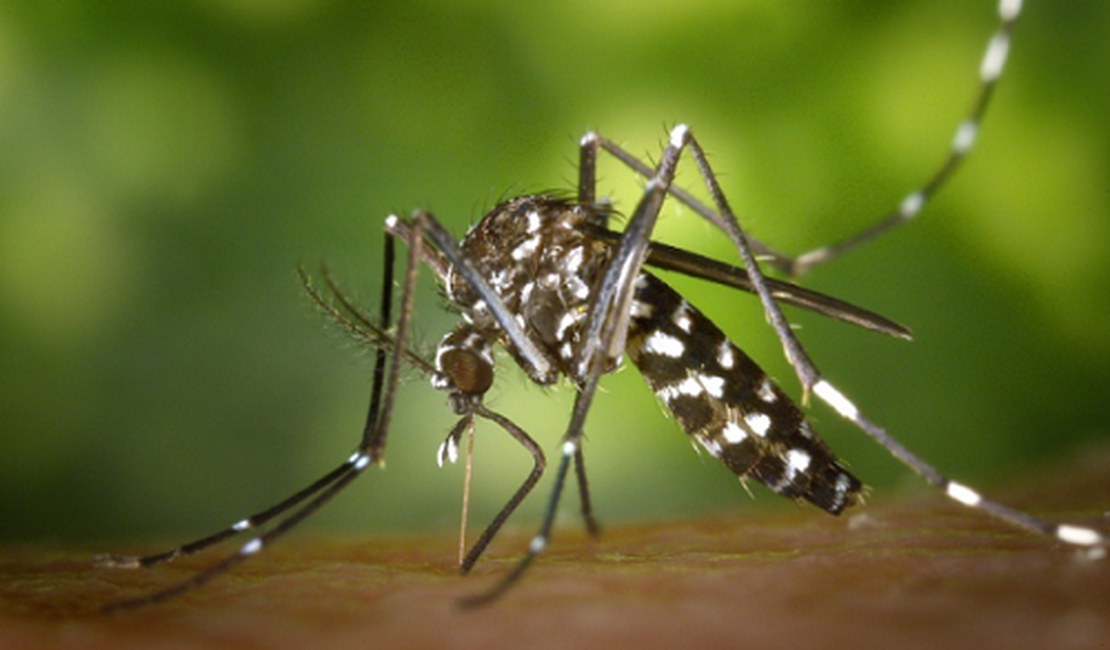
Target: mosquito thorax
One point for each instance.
(542, 264)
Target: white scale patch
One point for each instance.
(689, 386)
(733, 433)
(842, 484)
(679, 135)
(715, 386)
(527, 248)
(836, 399)
(766, 391)
(963, 494)
(710, 445)
(664, 344)
(573, 259)
(642, 309)
(911, 205)
(726, 358)
(1078, 535)
(995, 58)
(550, 281)
(569, 318)
(965, 136)
(759, 423)
(533, 221)
(681, 317)
(797, 462)
(251, 547)
(578, 287)
(694, 385)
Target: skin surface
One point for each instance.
(903, 571)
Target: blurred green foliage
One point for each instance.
(164, 167)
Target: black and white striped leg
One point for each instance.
(990, 70)
(808, 373)
(587, 510)
(812, 379)
(1068, 533)
(723, 218)
(371, 450)
(606, 326)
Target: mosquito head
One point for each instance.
(464, 368)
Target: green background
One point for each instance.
(165, 166)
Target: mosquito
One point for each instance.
(544, 278)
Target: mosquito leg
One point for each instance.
(539, 464)
(539, 541)
(324, 489)
(799, 359)
(380, 353)
(607, 324)
(990, 70)
(587, 170)
(374, 437)
(249, 523)
(260, 518)
(592, 527)
(251, 547)
(1067, 533)
(606, 328)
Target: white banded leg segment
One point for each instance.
(1008, 10)
(680, 136)
(963, 494)
(836, 400)
(990, 69)
(1067, 533)
(911, 205)
(251, 547)
(994, 59)
(1079, 535)
(965, 136)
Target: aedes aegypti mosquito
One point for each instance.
(546, 279)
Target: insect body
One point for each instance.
(544, 265)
